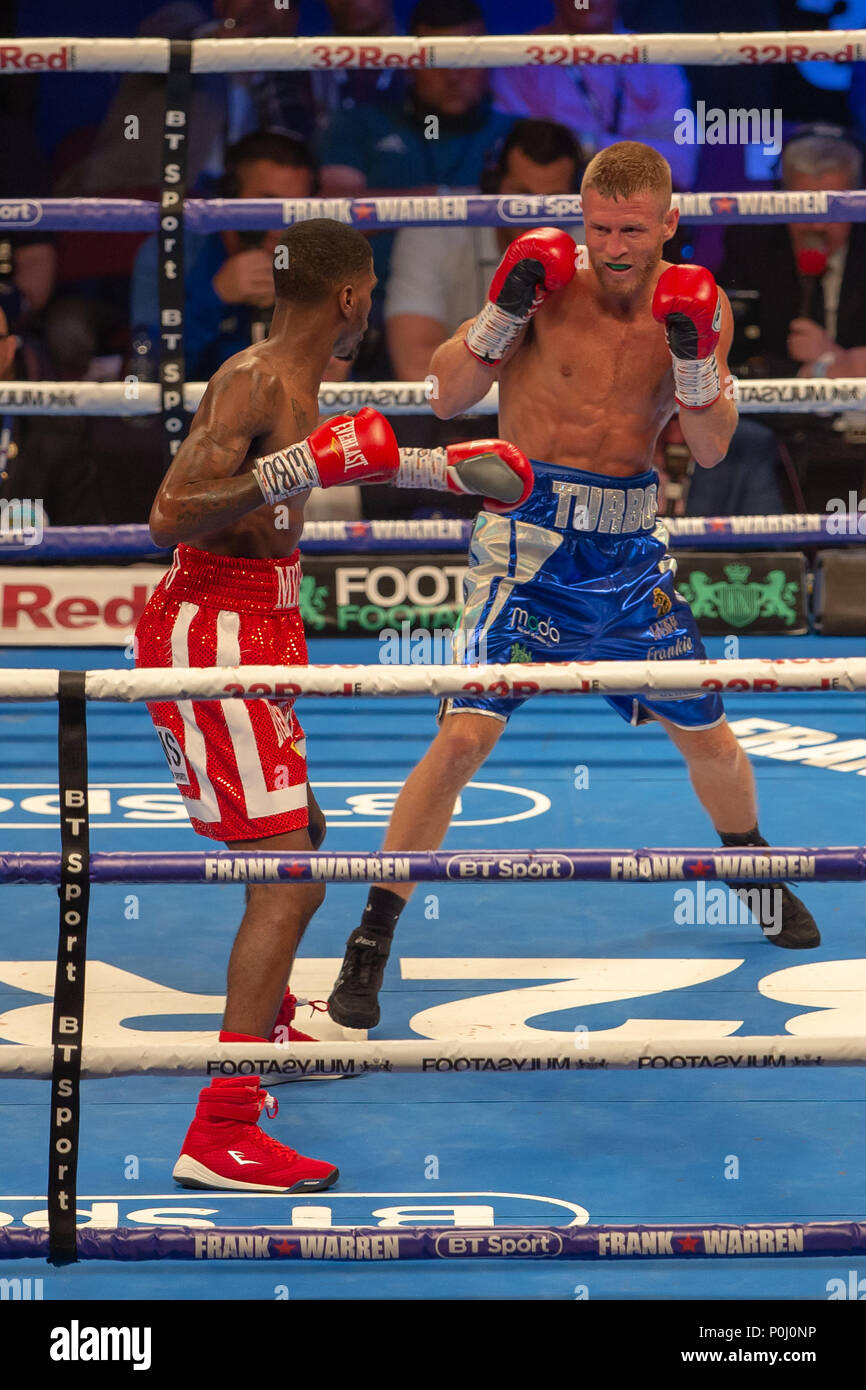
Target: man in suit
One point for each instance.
(809, 316)
(809, 275)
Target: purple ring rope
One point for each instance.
(208, 215)
(133, 542)
(376, 1243)
(840, 863)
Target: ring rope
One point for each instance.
(577, 1051)
(763, 675)
(485, 51)
(365, 1243)
(793, 395)
(746, 864)
(18, 536)
(206, 215)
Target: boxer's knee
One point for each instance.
(313, 899)
(295, 903)
(289, 904)
(718, 750)
(716, 746)
(722, 747)
(465, 740)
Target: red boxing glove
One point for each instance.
(490, 466)
(355, 449)
(480, 466)
(687, 301)
(347, 449)
(535, 265)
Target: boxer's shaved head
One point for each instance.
(626, 169)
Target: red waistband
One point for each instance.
(237, 583)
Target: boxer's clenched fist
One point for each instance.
(535, 265)
(345, 449)
(687, 301)
(490, 468)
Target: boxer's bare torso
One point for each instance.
(589, 386)
(253, 406)
(260, 402)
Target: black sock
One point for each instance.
(741, 837)
(382, 911)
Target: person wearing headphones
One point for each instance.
(229, 282)
(435, 274)
(808, 276)
(806, 312)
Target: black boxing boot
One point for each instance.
(798, 931)
(354, 1001)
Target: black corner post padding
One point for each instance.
(170, 241)
(67, 1027)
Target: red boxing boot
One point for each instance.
(224, 1144)
(282, 1030)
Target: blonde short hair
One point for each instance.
(627, 168)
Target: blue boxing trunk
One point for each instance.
(580, 572)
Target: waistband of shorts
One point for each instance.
(572, 500)
(236, 583)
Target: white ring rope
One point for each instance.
(664, 678)
(575, 1052)
(793, 395)
(332, 52)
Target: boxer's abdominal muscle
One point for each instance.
(588, 391)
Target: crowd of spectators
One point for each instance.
(80, 306)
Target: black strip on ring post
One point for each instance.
(172, 374)
(67, 1025)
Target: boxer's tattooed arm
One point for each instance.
(302, 422)
(202, 490)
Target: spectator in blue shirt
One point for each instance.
(438, 137)
(434, 140)
(602, 103)
(229, 279)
